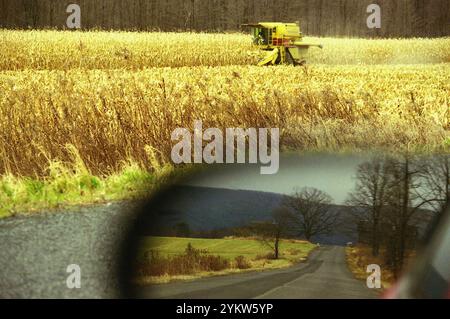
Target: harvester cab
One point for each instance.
(282, 41)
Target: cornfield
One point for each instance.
(57, 50)
(118, 96)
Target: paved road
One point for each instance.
(325, 275)
(36, 250)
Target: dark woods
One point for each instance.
(400, 18)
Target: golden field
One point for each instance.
(112, 115)
(115, 97)
(59, 50)
(64, 50)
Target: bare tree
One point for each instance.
(369, 197)
(435, 174)
(270, 233)
(402, 196)
(416, 184)
(391, 191)
(310, 212)
(389, 194)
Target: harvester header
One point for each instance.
(283, 42)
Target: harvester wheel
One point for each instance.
(278, 60)
(289, 59)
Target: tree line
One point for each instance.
(392, 192)
(400, 18)
(389, 194)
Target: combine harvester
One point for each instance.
(283, 42)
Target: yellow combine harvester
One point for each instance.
(282, 41)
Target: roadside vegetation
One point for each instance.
(165, 259)
(72, 183)
(360, 256)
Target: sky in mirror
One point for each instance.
(334, 174)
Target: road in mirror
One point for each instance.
(325, 226)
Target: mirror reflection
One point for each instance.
(325, 226)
